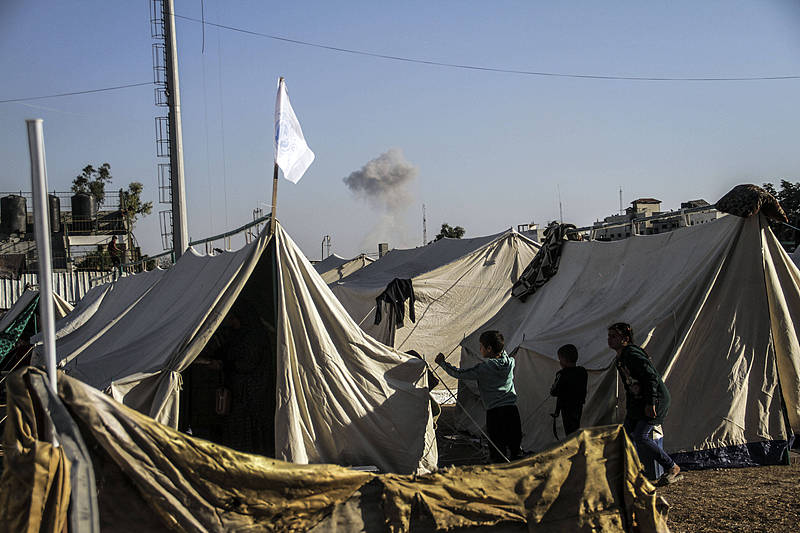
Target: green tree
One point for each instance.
(451, 232)
(131, 204)
(789, 198)
(93, 180)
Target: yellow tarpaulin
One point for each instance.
(591, 482)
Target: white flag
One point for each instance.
(292, 153)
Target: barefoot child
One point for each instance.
(569, 388)
(495, 378)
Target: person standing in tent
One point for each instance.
(495, 378)
(647, 398)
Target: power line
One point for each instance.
(417, 61)
(76, 92)
(482, 68)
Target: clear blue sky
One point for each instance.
(492, 149)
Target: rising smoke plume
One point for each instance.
(384, 183)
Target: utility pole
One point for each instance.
(325, 240)
(180, 231)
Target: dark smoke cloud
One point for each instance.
(383, 182)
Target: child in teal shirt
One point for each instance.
(495, 378)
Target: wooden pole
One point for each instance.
(274, 200)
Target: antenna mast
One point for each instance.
(424, 227)
(560, 208)
(620, 199)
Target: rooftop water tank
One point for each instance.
(13, 214)
(84, 211)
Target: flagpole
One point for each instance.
(274, 199)
(275, 170)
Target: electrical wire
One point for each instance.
(74, 93)
(421, 62)
(483, 68)
(222, 124)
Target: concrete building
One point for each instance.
(645, 217)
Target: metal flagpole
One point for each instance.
(272, 218)
(42, 231)
(274, 199)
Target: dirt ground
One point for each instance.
(764, 499)
(760, 499)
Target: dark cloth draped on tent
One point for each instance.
(545, 264)
(395, 296)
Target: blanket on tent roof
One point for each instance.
(172, 481)
(747, 200)
(545, 263)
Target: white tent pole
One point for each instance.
(41, 224)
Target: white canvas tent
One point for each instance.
(715, 306)
(338, 395)
(333, 268)
(457, 284)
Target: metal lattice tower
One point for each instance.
(169, 136)
(157, 31)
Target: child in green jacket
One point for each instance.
(647, 398)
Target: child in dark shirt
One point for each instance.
(569, 388)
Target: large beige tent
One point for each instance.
(259, 328)
(118, 470)
(716, 306)
(333, 268)
(457, 284)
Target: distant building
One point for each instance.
(645, 217)
(645, 207)
(533, 231)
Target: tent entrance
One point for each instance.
(228, 394)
